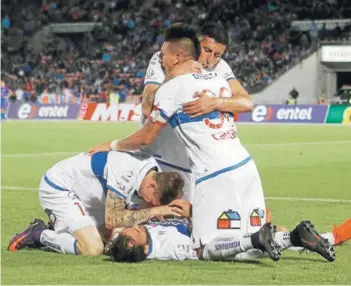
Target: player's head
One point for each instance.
(131, 245)
(214, 40)
(181, 44)
(160, 188)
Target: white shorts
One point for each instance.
(65, 210)
(231, 201)
(189, 181)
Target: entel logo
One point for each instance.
(30, 111)
(262, 113)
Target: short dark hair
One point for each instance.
(170, 185)
(215, 31)
(179, 31)
(122, 253)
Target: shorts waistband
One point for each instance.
(221, 171)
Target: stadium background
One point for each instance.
(72, 61)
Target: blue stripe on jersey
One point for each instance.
(51, 184)
(181, 226)
(182, 118)
(231, 168)
(173, 166)
(163, 114)
(231, 78)
(151, 82)
(118, 193)
(98, 163)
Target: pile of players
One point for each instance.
(182, 186)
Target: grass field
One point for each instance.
(294, 162)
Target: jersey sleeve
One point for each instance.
(120, 178)
(165, 103)
(154, 72)
(225, 71)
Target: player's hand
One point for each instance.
(99, 148)
(165, 211)
(187, 67)
(181, 207)
(203, 105)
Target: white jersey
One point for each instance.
(170, 240)
(167, 148)
(89, 177)
(211, 140)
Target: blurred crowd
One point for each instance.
(108, 62)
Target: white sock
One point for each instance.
(61, 242)
(226, 246)
(283, 239)
(250, 254)
(327, 235)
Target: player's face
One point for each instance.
(136, 235)
(167, 57)
(211, 52)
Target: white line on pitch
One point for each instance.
(249, 145)
(321, 200)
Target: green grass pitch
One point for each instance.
(318, 168)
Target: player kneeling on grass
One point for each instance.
(171, 240)
(84, 193)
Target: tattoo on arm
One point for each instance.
(117, 216)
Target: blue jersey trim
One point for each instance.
(118, 193)
(75, 247)
(98, 163)
(51, 184)
(182, 118)
(231, 168)
(173, 166)
(152, 82)
(231, 78)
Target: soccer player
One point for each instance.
(228, 199)
(167, 148)
(83, 194)
(5, 93)
(171, 240)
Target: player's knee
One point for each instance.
(91, 248)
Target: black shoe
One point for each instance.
(30, 237)
(310, 239)
(266, 241)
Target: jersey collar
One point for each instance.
(143, 173)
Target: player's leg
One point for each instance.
(217, 224)
(75, 231)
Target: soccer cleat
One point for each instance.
(266, 241)
(30, 237)
(342, 233)
(310, 239)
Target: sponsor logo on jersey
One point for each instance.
(229, 134)
(227, 245)
(229, 220)
(255, 217)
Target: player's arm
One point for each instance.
(116, 214)
(149, 98)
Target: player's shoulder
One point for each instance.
(222, 65)
(155, 58)
(224, 70)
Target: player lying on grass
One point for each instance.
(171, 240)
(167, 148)
(228, 197)
(83, 193)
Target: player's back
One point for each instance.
(170, 240)
(211, 140)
